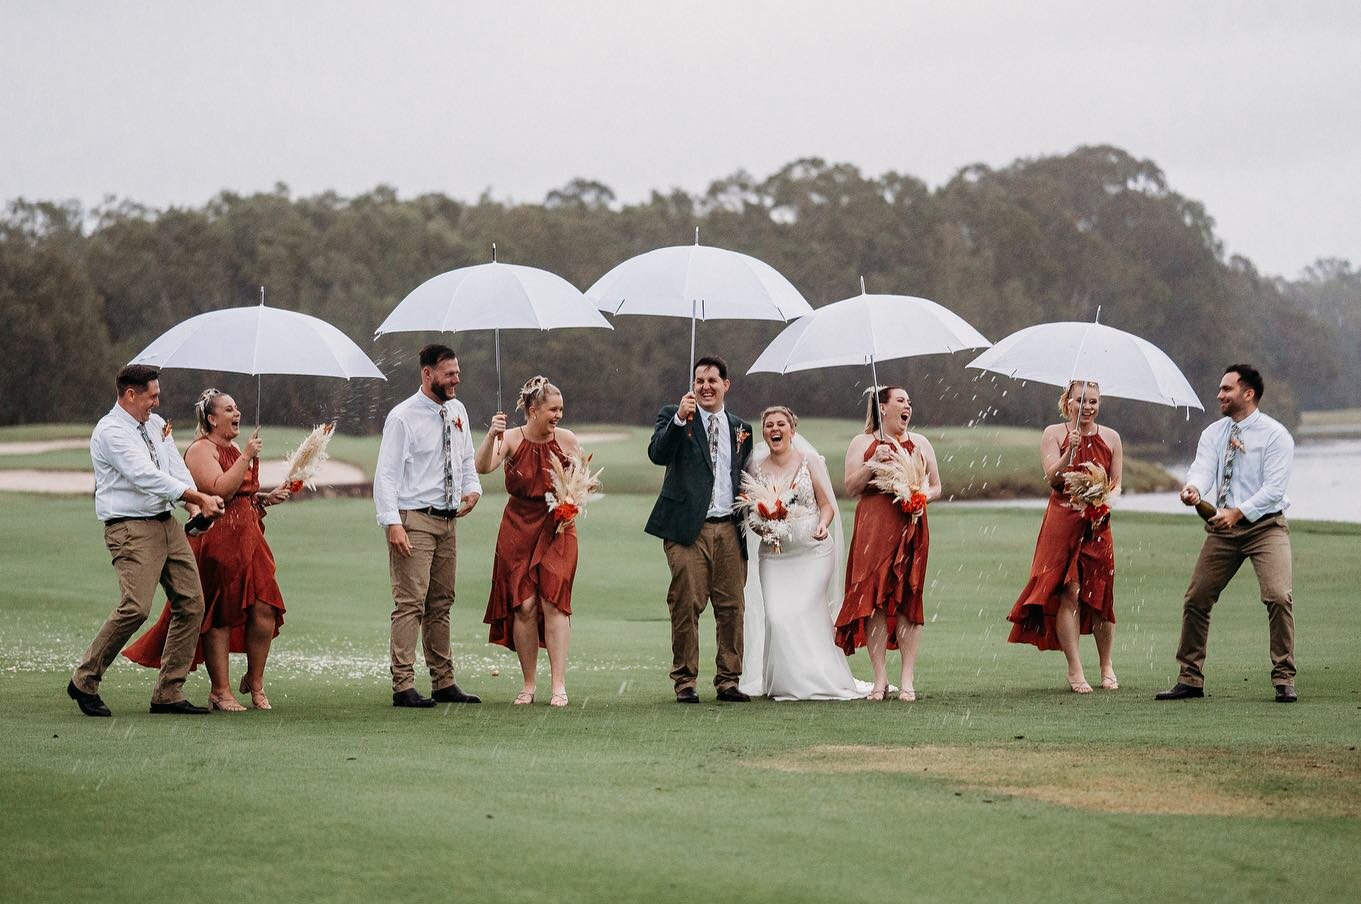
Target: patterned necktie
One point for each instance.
(713, 455)
(448, 459)
(146, 438)
(1229, 452)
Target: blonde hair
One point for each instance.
(536, 389)
(779, 409)
(878, 395)
(1067, 395)
(205, 406)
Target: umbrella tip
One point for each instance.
(1098, 314)
(862, 284)
(493, 252)
(262, 296)
(696, 235)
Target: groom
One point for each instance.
(703, 452)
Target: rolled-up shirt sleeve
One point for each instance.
(470, 482)
(1276, 460)
(127, 454)
(175, 461)
(387, 473)
(1201, 474)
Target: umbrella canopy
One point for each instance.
(259, 340)
(1124, 365)
(699, 282)
(496, 297)
(493, 296)
(867, 329)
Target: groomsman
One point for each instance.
(1243, 463)
(139, 476)
(424, 481)
(703, 449)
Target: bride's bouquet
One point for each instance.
(770, 504)
(305, 461)
(574, 487)
(901, 477)
(1090, 490)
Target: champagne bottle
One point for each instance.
(1205, 510)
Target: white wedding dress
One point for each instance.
(790, 650)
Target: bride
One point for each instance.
(790, 646)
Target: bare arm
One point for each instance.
(858, 474)
(492, 453)
(1055, 462)
(1117, 471)
(932, 489)
(208, 473)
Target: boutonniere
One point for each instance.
(458, 424)
(165, 430)
(742, 435)
(1237, 445)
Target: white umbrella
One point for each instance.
(866, 329)
(259, 340)
(699, 282)
(1123, 364)
(495, 297)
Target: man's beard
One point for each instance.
(445, 393)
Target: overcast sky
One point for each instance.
(1253, 108)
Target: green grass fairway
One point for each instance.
(998, 785)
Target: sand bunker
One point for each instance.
(1287, 783)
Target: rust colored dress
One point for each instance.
(886, 568)
(532, 559)
(1067, 552)
(235, 566)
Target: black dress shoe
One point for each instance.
(732, 695)
(453, 694)
(1180, 691)
(180, 708)
(687, 695)
(90, 704)
(410, 697)
(1285, 693)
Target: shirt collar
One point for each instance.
(430, 403)
(1250, 419)
(122, 414)
(722, 412)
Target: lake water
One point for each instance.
(1323, 485)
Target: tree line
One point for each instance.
(1049, 238)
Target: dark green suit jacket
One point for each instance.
(689, 483)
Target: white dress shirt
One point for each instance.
(128, 482)
(1261, 469)
(410, 472)
(720, 503)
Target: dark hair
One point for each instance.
(872, 409)
(136, 376)
(1250, 376)
(434, 353)
(715, 362)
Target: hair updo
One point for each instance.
(779, 409)
(877, 396)
(535, 390)
(1067, 396)
(206, 405)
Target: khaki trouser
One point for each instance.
(711, 568)
(146, 553)
(1267, 543)
(422, 595)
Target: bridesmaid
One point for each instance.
(244, 607)
(531, 581)
(1072, 576)
(886, 568)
